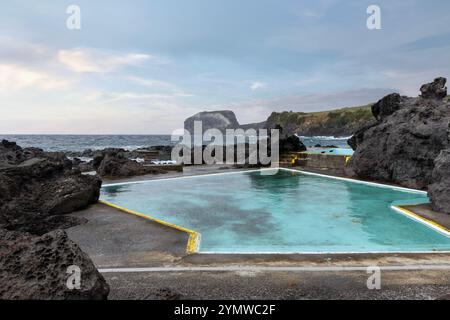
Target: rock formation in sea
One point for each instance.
(37, 190)
(221, 120)
(406, 143)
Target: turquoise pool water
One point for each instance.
(285, 212)
(338, 151)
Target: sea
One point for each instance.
(78, 143)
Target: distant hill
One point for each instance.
(339, 122)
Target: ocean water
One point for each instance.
(340, 142)
(335, 151)
(286, 212)
(79, 143)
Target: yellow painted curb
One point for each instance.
(415, 215)
(193, 244)
(347, 159)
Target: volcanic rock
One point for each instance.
(289, 143)
(434, 90)
(386, 106)
(402, 144)
(221, 120)
(36, 267)
(439, 190)
(114, 163)
(37, 189)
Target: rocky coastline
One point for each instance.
(407, 143)
(118, 162)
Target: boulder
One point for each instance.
(288, 142)
(114, 163)
(400, 146)
(11, 153)
(86, 167)
(70, 193)
(99, 155)
(37, 189)
(291, 144)
(35, 267)
(439, 190)
(386, 106)
(434, 90)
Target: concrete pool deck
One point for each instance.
(119, 243)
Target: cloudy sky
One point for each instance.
(143, 66)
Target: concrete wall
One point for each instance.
(323, 161)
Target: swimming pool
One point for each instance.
(288, 212)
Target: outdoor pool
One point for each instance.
(285, 212)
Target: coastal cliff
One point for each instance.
(340, 123)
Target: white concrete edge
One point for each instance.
(319, 252)
(277, 269)
(424, 222)
(199, 242)
(357, 181)
(268, 169)
(183, 177)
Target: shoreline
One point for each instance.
(56, 146)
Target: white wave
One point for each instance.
(83, 159)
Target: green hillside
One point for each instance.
(339, 122)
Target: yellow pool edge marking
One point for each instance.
(430, 223)
(193, 244)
